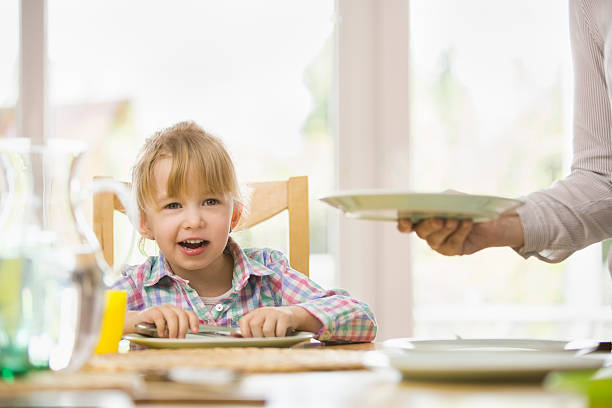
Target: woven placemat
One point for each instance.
(52, 381)
(247, 359)
(135, 385)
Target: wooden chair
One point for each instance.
(267, 200)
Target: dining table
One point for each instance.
(309, 374)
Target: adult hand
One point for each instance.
(452, 237)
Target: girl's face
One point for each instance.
(191, 230)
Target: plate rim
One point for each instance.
(388, 344)
(219, 341)
(387, 205)
(471, 368)
(390, 192)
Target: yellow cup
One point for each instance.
(112, 323)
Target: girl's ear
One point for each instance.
(237, 212)
(145, 230)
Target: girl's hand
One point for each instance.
(170, 321)
(277, 321)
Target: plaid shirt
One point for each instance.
(262, 278)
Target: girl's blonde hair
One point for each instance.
(192, 151)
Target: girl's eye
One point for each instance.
(211, 201)
(173, 206)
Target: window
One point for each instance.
(491, 109)
(256, 74)
(9, 64)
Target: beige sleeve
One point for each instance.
(577, 211)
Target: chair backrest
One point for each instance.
(267, 199)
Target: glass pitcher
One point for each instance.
(51, 268)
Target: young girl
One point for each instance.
(189, 201)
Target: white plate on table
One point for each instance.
(494, 344)
(393, 205)
(480, 365)
(483, 359)
(199, 341)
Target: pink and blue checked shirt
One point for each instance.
(262, 278)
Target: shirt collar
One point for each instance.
(244, 266)
(160, 268)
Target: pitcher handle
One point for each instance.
(102, 185)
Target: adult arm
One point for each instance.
(574, 212)
(577, 211)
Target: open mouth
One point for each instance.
(193, 243)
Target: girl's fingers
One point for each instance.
(154, 315)
(269, 327)
(171, 321)
(282, 328)
(256, 325)
(183, 324)
(194, 322)
(160, 324)
(245, 328)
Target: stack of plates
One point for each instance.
(485, 359)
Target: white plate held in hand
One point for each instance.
(392, 206)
